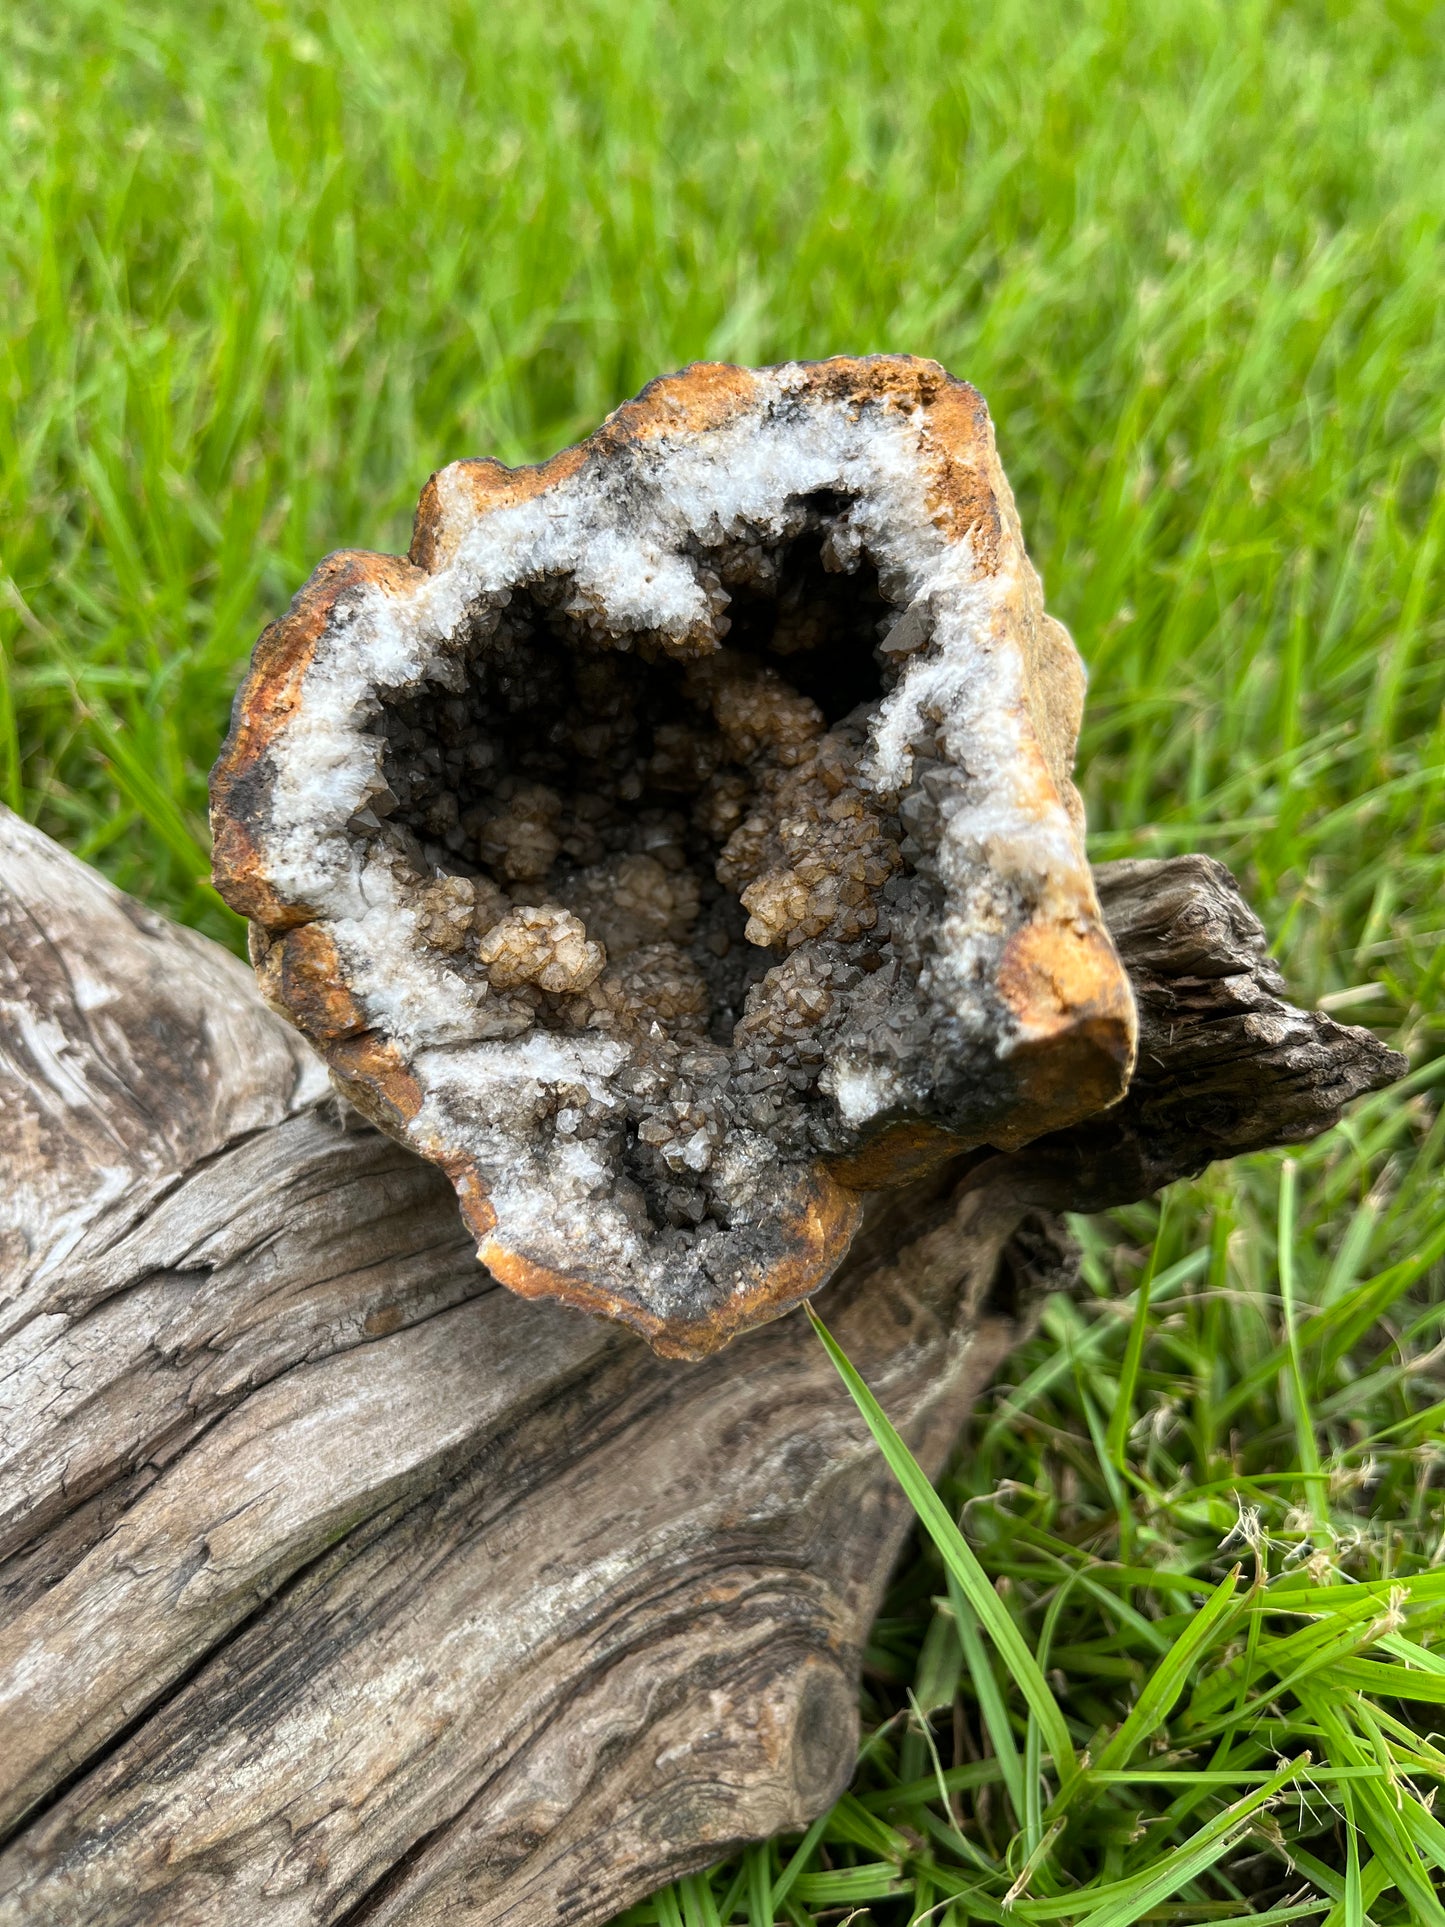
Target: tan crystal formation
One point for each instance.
(681, 841)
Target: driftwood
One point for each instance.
(340, 1584)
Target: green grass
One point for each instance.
(262, 268)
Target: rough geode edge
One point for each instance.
(1023, 970)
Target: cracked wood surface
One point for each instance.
(338, 1584)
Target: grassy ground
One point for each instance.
(262, 268)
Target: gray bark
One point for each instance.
(338, 1584)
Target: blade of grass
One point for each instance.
(959, 1559)
(1122, 1416)
(1166, 1684)
(994, 1713)
(1305, 1441)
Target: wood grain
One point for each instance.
(339, 1584)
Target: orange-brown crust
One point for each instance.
(1068, 994)
(707, 394)
(962, 498)
(473, 1196)
(301, 974)
(374, 1075)
(265, 702)
(1053, 974)
(816, 1241)
(491, 485)
(899, 1154)
(701, 397)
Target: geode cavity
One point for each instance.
(680, 842)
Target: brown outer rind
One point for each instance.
(816, 1242)
(968, 495)
(265, 700)
(1076, 1011)
(374, 1075)
(699, 397)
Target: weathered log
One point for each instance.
(342, 1585)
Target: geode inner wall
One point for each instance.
(681, 841)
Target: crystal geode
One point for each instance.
(680, 843)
